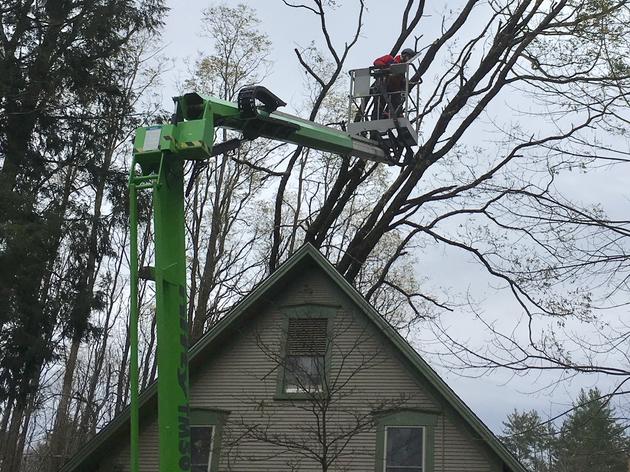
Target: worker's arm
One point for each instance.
(385, 61)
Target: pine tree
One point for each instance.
(529, 439)
(59, 63)
(591, 438)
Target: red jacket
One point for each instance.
(387, 60)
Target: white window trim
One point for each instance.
(424, 440)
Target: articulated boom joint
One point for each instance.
(248, 96)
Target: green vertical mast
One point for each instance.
(164, 174)
(172, 324)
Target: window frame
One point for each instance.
(206, 417)
(424, 445)
(406, 417)
(308, 310)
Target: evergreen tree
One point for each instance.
(529, 439)
(591, 438)
(60, 63)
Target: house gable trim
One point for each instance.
(297, 260)
(418, 363)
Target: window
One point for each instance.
(305, 351)
(206, 429)
(404, 449)
(303, 374)
(405, 440)
(306, 346)
(201, 448)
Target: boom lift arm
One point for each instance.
(191, 135)
(160, 151)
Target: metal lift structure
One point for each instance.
(384, 107)
(159, 154)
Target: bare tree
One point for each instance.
(562, 67)
(326, 82)
(222, 191)
(327, 368)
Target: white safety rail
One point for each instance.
(384, 103)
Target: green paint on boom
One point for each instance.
(172, 322)
(197, 116)
(160, 151)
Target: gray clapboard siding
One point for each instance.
(241, 379)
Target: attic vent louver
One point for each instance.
(307, 336)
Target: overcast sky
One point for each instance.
(491, 396)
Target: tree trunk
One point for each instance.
(123, 378)
(206, 284)
(81, 312)
(89, 412)
(60, 431)
(6, 416)
(21, 443)
(12, 456)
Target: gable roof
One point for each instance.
(306, 256)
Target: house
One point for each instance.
(304, 371)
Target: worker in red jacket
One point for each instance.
(393, 83)
(387, 60)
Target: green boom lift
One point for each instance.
(160, 152)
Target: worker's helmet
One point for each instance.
(408, 52)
